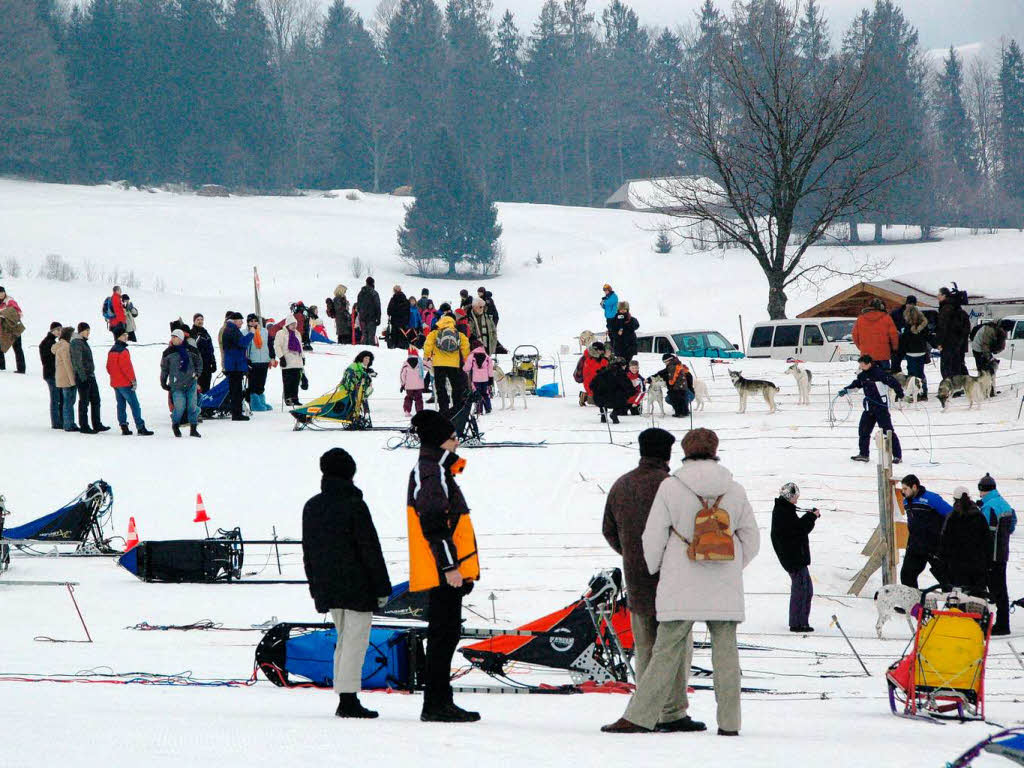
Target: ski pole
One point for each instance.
(835, 620)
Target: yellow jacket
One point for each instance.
(439, 357)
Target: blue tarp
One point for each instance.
(1011, 747)
(386, 664)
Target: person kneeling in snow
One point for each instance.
(346, 571)
(876, 406)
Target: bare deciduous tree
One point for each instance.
(983, 108)
(794, 146)
(288, 20)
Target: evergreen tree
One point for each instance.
(956, 134)
(35, 105)
(1011, 118)
(452, 219)
(812, 35)
(507, 183)
(667, 69)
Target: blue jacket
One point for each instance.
(415, 321)
(236, 344)
(926, 515)
(869, 380)
(610, 304)
(1002, 522)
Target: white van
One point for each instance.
(1014, 327)
(702, 343)
(814, 339)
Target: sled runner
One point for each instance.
(943, 676)
(78, 522)
(339, 409)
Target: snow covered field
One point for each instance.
(537, 511)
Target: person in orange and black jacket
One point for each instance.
(442, 557)
(678, 384)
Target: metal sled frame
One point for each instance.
(100, 498)
(360, 421)
(526, 363)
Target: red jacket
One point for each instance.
(875, 334)
(591, 365)
(119, 366)
(118, 307)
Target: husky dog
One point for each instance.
(803, 382)
(893, 599)
(748, 386)
(509, 387)
(911, 387)
(587, 338)
(656, 394)
(700, 393)
(976, 388)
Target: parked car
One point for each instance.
(1014, 327)
(814, 339)
(704, 343)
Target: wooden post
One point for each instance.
(885, 508)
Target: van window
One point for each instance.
(687, 342)
(1019, 332)
(787, 336)
(644, 343)
(813, 337)
(663, 346)
(838, 330)
(762, 337)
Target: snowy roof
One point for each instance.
(665, 192)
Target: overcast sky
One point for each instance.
(941, 23)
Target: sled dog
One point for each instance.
(911, 387)
(656, 394)
(509, 387)
(976, 388)
(700, 393)
(893, 599)
(746, 387)
(803, 382)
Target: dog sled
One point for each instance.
(943, 676)
(79, 522)
(215, 403)
(526, 364)
(467, 428)
(339, 409)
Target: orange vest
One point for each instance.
(423, 570)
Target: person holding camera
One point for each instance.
(790, 541)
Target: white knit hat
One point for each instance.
(960, 491)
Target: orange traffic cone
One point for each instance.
(201, 516)
(133, 536)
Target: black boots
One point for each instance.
(193, 432)
(143, 432)
(176, 429)
(448, 713)
(125, 430)
(349, 706)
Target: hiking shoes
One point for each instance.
(622, 725)
(449, 714)
(682, 725)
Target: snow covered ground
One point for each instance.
(537, 511)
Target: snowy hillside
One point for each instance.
(537, 510)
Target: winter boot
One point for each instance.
(125, 430)
(448, 713)
(176, 429)
(682, 725)
(583, 399)
(101, 428)
(622, 725)
(86, 430)
(193, 432)
(349, 706)
(860, 458)
(239, 418)
(143, 432)
(614, 417)
(723, 732)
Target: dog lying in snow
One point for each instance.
(893, 599)
(803, 382)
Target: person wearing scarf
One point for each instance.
(288, 346)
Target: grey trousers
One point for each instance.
(656, 683)
(645, 632)
(353, 637)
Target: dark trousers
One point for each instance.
(444, 627)
(258, 378)
(998, 594)
(457, 377)
(235, 391)
(413, 397)
(801, 591)
(290, 379)
(875, 414)
(369, 331)
(89, 400)
(986, 364)
(915, 367)
(56, 404)
(896, 362)
(19, 357)
(679, 401)
(951, 362)
(204, 379)
(914, 562)
(485, 396)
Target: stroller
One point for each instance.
(943, 676)
(339, 409)
(526, 363)
(214, 403)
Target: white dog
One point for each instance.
(509, 387)
(700, 393)
(911, 387)
(803, 382)
(893, 599)
(656, 394)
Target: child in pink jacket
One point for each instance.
(411, 379)
(480, 368)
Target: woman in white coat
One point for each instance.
(694, 590)
(288, 348)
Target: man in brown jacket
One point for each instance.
(625, 517)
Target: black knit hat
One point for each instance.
(656, 444)
(118, 330)
(338, 463)
(370, 282)
(666, 357)
(987, 483)
(432, 428)
(911, 299)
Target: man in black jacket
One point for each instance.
(398, 319)
(50, 375)
(952, 333)
(346, 571)
(368, 311)
(612, 390)
(791, 545)
(204, 343)
(876, 406)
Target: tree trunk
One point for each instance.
(854, 236)
(878, 233)
(776, 296)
